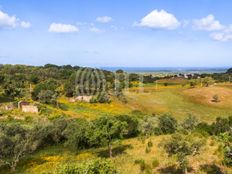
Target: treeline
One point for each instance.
(46, 83)
(17, 141)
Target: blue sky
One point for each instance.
(150, 33)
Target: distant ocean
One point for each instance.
(169, 70)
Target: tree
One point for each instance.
(193, 83)
(183, 146)
(207, 81)
(77, 134)
(190, 123)
(34, 79)
(148, 126)
(132, 125)
(215, 98)
(15, 143)
(46, 92)
(14, 86)
(106, 130)
(167, 124)
(221, 125)
(47, 97)
(229, 71)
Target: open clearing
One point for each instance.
(181, 101)
(176, 100)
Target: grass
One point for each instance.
(177, 101)
(125, 155)
(92, 111)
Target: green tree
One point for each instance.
(132, 125)
(77, 134)
(190, 123)
(183, 146)
(47, 97)
(207, 81)
(167, 124)
(15, 143)
(46, 92)
(106, 130)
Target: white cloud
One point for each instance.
(104, 19)
(7, 21)
(208, 23)
(62, 28)
(25, 24)
(221, 37)
(96, 30)
(159, 20)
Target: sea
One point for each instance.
(169, 70)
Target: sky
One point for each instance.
(123, 33)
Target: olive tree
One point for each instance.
(106, 130)
(183, 146)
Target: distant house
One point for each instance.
(30, 109)
(81, 98)
(27, 107)
(22, 103)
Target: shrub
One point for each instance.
(132, 125)
(190, 123)
(228, 155)
(97, 166)
(138, 161)
(149, 144)
(167, 124)
(148, 150)
(216, 98)
(155, 163)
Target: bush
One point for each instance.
(167, 124)
(190, 123)
(97, 166)
(216, 98)
(101, 98)
(141, 163)
(132, 125)
(149, 144)
(155, 163)
(228, 155)
(148, 150)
